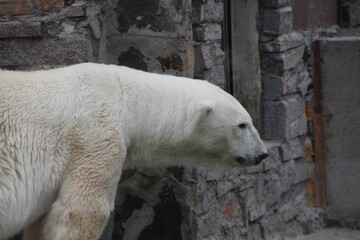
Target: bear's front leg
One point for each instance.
(86, 195)
(69, 222)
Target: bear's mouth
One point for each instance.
(241, 160)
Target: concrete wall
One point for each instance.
(341, 104)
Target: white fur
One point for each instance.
(66, 134)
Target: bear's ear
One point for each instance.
(197, 113)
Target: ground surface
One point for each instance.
(333, 234)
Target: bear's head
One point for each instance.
(225, 132)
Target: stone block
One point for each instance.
(301, 173)
(211, 11)
(75, 10)
(284, 119)
(15, 7)
(208, 32)
(254, 206)
(278, 63)
(275, 4)
(287, 175)
(277, 22)
(20, 29)
(288, 212)
(296, 80)
(208, 55)
(274, 120)
(272, 226)
(274, 159)
(47, 51)
(284, 42)
(292, 149)
(272, 189)
(49, 5)
(215, 75)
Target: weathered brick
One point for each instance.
(15, 7)
(277, 22)
(49, 51)
(208, 32)
(49, 5)
(277, 63)
(20, 29)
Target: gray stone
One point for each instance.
(77, 9)
(301, 173)
(272, 189)
(215, 75)
(288, 212)
(284, 42)
(272, 226)
(208, 32)
(17, 29)
(274, 120)
(284, 119)
(204, 57)
(211, 11)
(297, 127)
(277, 22)
(287, 175)
(274, 159)
(254, 206)
(276, 87)
(95, 27)
(277, 63)
(293, 148)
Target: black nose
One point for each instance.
(260, 158)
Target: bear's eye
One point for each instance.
(242, 125)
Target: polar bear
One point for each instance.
(66, 135)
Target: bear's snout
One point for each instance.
(260, 158)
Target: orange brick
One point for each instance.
(49, 5)
(14, 7)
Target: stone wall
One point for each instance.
(184, 37)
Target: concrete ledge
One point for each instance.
(333, 234)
